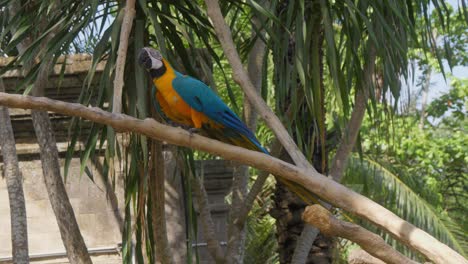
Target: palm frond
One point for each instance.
(376, 182)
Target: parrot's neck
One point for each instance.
(158, 73)
(163, 77)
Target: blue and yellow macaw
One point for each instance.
(189, 102)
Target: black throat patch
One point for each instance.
(156, 73)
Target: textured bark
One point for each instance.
(309, 238)
(291, 229)
(157, 192)
(359, 256)
(14, 182)
(69, 230)
(325, 188)
(207, 224)
(175, 209)
(236, 233)
(321, 218)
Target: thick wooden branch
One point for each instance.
(329, 225)
(324, 187)
(359, 256)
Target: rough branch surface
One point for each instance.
(122, 55)
(319, 184)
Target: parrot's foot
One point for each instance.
(193, 130)
(172, 123)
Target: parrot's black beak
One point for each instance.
(147, 57)
(143, 58)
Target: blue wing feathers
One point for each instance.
(201, 98)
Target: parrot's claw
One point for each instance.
(193, 130)
(172, 123)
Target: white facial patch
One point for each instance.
(155, 63)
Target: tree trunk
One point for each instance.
(158, 201)
(426, 83)
(14, 182)
(288, 214)
(175, 209)
(69, 230)
(296, 243)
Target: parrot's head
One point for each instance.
(152, 61)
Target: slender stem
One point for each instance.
(349, 138)
(122, 55)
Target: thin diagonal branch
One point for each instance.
(257, 187)
(349, 138)
(241, 77)
(122, 55)
(324, 187)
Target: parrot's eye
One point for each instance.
(150, 59)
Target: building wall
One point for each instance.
(93, 210)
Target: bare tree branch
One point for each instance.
(257, 187)
(324, 187)
(320, 217)
(122, 55)
(359, 256)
